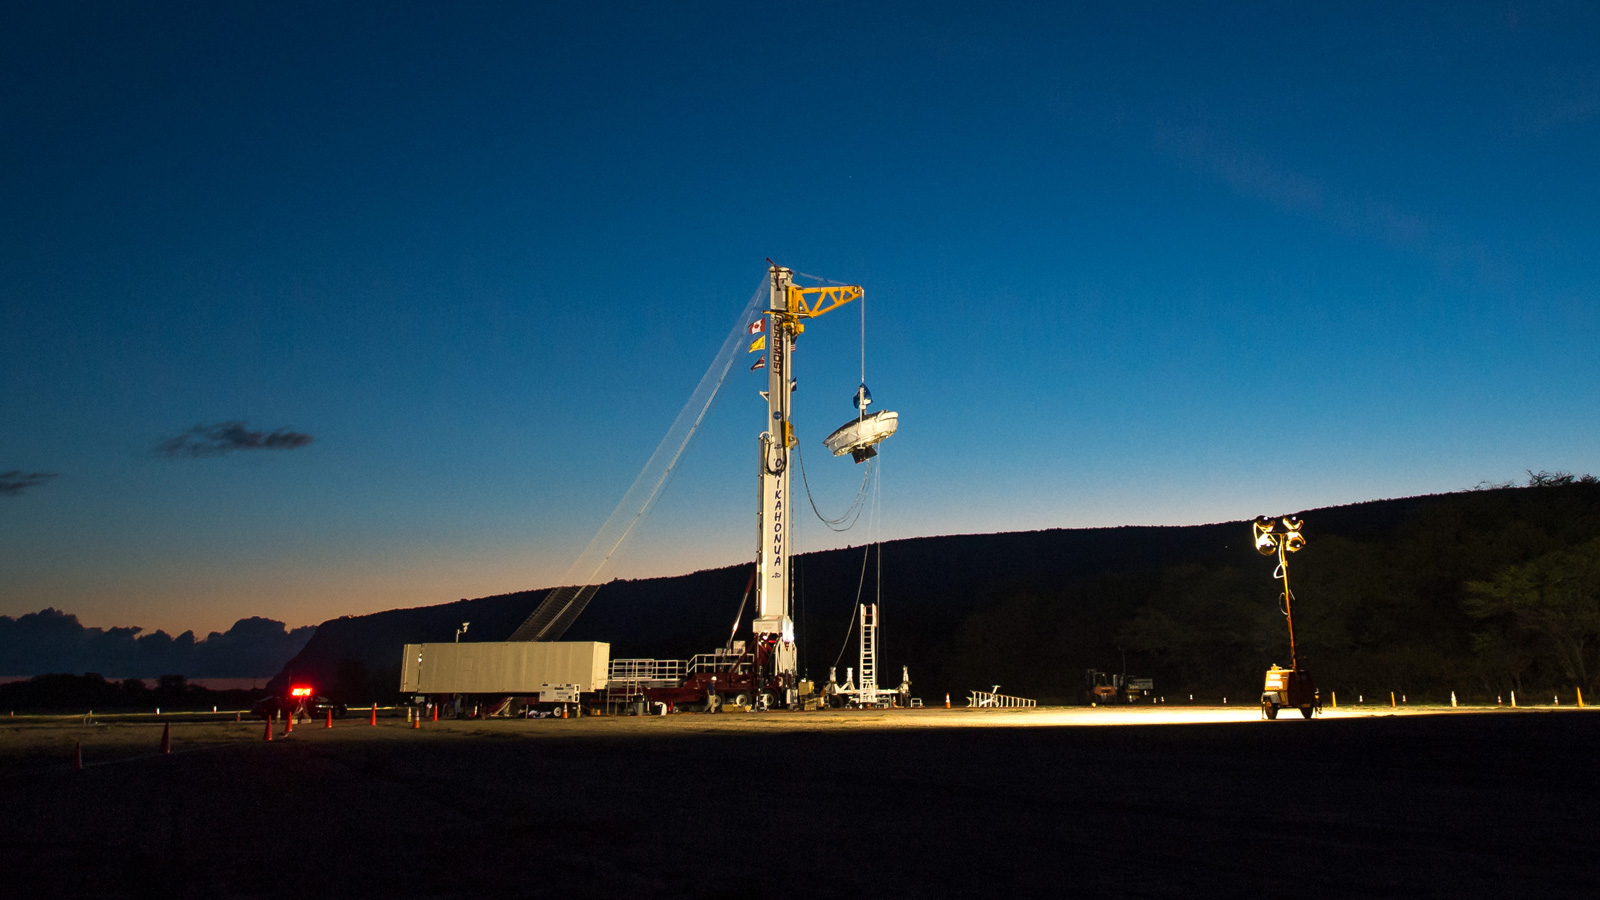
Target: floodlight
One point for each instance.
(1281, 537)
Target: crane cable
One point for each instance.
(856, 506)
(855, 609)
(861, 581)
(853, 512)
(861, 408)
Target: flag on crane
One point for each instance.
(758, 326)
(760, 363)
(760, 343)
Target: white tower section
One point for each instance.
(773, 622)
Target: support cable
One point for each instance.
(562, 605)
(875, 531)
(855, 608)
(856, 506)
(799, 570)
(861, 582)
(820, 280)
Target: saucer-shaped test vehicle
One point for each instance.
(859, 437)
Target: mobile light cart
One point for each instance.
(1291, 687)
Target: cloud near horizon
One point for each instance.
(16, 481)
(226, 437)
(51, 641)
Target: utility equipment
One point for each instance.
(869, 695)
(499, 675)
(299, 702)
(1102, 688)
(704, 682)
(1291, 687)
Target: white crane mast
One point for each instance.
(773, 623)
(787, 309)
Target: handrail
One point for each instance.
(634, 670)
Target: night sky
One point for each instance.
(319, 309)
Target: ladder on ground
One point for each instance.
(996, 700)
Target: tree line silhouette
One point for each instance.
(54, 641)
(1479, 592)
(92, 691)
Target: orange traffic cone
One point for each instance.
(374, 713)
(946, 701)
(236, 717)
(416, 721)
(330, 718)
(268, 735)
(288, 723)
(166, 738)
(436, 712)
(77, 757)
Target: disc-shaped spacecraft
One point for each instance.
(859, 436)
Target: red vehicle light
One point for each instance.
(300, 692)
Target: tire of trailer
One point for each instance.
(741, 700)
(1269, 709)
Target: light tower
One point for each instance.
(1281, 537)
(1290, 687)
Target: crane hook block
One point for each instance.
(863, 398)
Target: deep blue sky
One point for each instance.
(1124, 264)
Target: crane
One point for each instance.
(762, 672)
(789, 307)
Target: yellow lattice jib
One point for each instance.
(808, 303)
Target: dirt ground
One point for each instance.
(922, 803)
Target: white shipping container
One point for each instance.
(504, 667)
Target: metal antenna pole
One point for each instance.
(1288, 603)
(1283, 537)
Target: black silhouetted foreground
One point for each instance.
(1492, 804)
(1421, 596)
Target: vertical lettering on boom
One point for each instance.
(777, 532)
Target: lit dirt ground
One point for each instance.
(1159, 801)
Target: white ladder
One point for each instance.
(869, 654)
